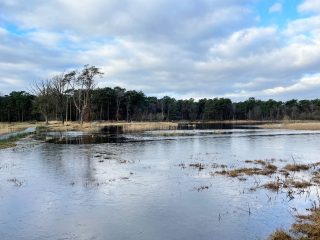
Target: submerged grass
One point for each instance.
(262, 162)
(305, 227)
(289, 183)
(297, 167)
(11, 141)
(280, 235)
(273, 186)
(268, 169)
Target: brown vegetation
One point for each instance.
(124, 126)
(14, 127)
(273, 186)
(267, 170)
(298, 184)
(306, 227)
(280, 235)
(297, 167)
(262, 162)
(301, 125)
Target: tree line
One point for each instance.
(73, 96)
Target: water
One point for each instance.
(16, 134)
(134, 188)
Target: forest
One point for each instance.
(73, 96)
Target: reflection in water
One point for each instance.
(137, 189)
(88, 139)
(203, 126)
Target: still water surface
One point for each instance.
(134, 188)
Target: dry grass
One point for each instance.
(273, 186)
(284, 172)
(316, 177)
(306, 227)
(298, 184)
(262, 162)
(301, 125)
(280, 235)
(296, 167)
(271, 167)
(14, 127)
(267, 170)
(290, 183)
(234, 122)
(124, 126)
(148, 126)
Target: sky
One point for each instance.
(184, 48)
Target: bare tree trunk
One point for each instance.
(101, 113)
(117, 113)
(46, 119)
(67, 110)
(108, 111)
(127, 112)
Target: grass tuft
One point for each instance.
(280, 235)
(296, 167)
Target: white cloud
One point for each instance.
(246, 42)
(206, 48)
(303, 25)
(309, 6)
(305, 83)
(275, 8)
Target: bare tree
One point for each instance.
(119, 92)
(43, 92)
(58, 87)
(83, 83)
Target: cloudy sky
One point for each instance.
(182, 48)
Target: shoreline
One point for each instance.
(128, 127)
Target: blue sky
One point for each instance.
(184, 48)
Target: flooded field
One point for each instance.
(154, 185)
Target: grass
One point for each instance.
(299, 184)
(88, 127)
(267, 170)
(144, 126)
(280, 235)
(262, 162)
(316, 177)
(273, 186)
(7, 144)
(15, 127)
(308, 225)
(296, 167)
(294, 125)
(11, 141)
(288, 183)
(98, 126)
(305, 227)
